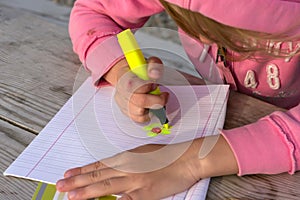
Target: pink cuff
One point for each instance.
(102, 57)
(261, 148)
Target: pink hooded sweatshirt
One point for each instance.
(270, 145)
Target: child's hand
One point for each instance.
(151, 171)
(132, 93)
(147, 172)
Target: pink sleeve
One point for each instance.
(92, 22)
(269, 146)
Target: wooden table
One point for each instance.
(38, 72)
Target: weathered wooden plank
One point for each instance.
(249, 110)
(65, 2)
(46, 9)
(281, 186)
(12, 142)
(38, 68)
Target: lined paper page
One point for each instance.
(90, 127)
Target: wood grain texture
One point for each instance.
(38, 68)
(280, 186)
(12, 142)
(39, 72)
(249, 110)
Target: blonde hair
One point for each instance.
(243, 43)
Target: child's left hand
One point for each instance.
(146, 172)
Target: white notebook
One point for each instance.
(90, 127)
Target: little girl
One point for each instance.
(256, 46)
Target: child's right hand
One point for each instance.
(132, 92)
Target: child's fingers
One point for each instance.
(140, 118)
(137, 114)
(149, 100)
(101, 188)
(136, 110)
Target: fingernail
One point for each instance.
(154, 73)
(68, 174)
(59, 185)
(71, 194)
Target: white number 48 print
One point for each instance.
(272, 78)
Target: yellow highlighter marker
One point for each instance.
(137, 64)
